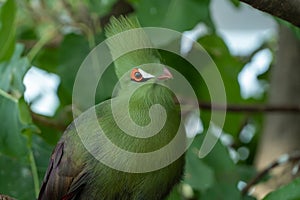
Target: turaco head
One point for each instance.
(136, 62)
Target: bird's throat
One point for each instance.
(151, 106)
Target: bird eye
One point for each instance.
(136, 75)
(139, 75)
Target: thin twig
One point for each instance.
(257, 108)
(40, 44)
(121, 7)
(5, 197)
(56, 124)
(287, 10)
(34, 172)
(47, 121)
(281, 160)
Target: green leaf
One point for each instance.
(179, 15)
(47, 59)
(42, 153)
(228, 65)
(175, 194)
(16, 178)
(12, 142)
(50, 134)
(222, 190)
(101, 7)
(25, 116)
(7, 29)
(236, 2)
(246, 172)
(214, 176)
(287, 192)
(198, 175)
(248, 198)
(106, 85)
(72, 52)
(218, 159)
(15, 119)
(188, 71)
(229, 68)
(12, 73)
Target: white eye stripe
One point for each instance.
(145, 74)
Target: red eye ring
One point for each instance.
(136, 75)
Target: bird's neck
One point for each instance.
(148, 95)
(138, 108)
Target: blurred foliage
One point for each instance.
(288, 192)
(57, 35)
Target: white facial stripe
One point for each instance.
(145, 74)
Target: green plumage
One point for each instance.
(74, 173)
(133, 40)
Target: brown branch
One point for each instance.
(58, 125)
(52, 44)
(288, 10)
(249, 108)
(5, 197)
(47, 121)
(121, 7)
(295, 157)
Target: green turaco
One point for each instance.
(138, 155)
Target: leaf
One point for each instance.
(72, 52)
(228, 65)
(12, 142)
(214, 176)
(42, 153)
(287, 192)
(47, 59)
(12, 73)
(179, 15)
(248, 198)
(101, 7)
(50, 134)
(25, 116)
(219, 160)
(175, 194)
(16, 179)
(106, 85)
(236, 3)
(222, 190)
(229, 68)
(7, 29)
(13, 150)
(198, 175)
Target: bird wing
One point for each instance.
(68, 173)
(65, 178)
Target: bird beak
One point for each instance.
(166, 75)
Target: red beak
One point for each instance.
(166, 75)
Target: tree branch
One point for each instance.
(121, 7)
(5, 197)
(47, 121)
(59, 125)
(295, 157)
(288, 10)
(249, 108)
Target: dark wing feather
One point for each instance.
(64, 179)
